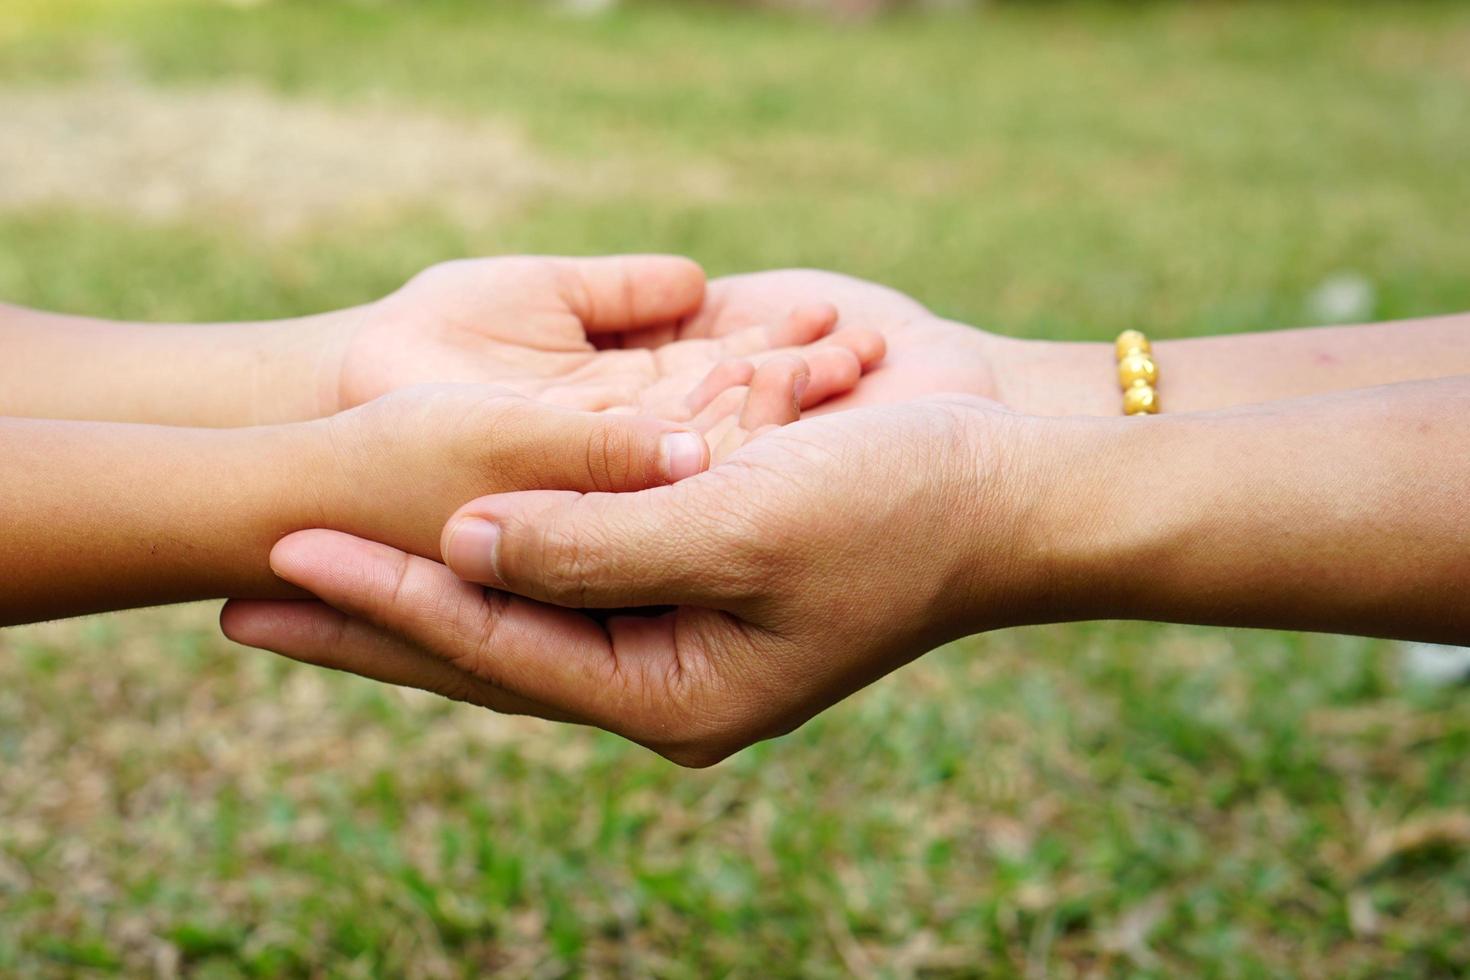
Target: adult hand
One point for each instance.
(816, 559)
(926, 354)
(548, 328)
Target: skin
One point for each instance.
(110, 514)
(826, 554)
(829, 552)
(546, 328)
(929, 355)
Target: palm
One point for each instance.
(535, 326)
(926, 355)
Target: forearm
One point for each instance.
(1207, 373)
(1346, 513)
(103, 516)
(65, 367)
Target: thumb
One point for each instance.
(659, 547)
(536, 446)
(630, 292)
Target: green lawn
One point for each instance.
(1084, 800)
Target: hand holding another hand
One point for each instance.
(818, 558)
(184, 512)
(395, 468)
(828, 552)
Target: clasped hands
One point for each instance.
(633, 585)
(606, 491)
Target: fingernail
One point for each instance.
(682, 455)
(800, 388)
(473, 551)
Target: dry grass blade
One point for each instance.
(1423, 833)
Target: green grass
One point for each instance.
(1093, 799)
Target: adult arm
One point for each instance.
(928, 355)
(828, 553)
(1202, 374)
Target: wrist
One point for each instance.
(1114, 503)
(1054, 378)
(355, 472)
(1044, 524)
(371, 463)
(298, 366)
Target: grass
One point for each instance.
(1097, 799)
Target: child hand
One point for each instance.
(554, 329)
(398, 466)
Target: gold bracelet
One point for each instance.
(1137, 373)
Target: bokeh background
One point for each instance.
(1080, 801)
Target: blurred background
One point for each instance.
(1080, 801)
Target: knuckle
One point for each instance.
(564, 564)
(567, 281)
(405, 597)
(481, 656)
(690, 716)
(611, 458)
(457, 687)
(392, 595)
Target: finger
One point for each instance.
(554, 448)
(775, 393)
(546, 655)
(315, 633)
(798, 329)
(724, 376)
(725, 436)
(803, 325)
(833, 371)
(725, 407)
(720, 423)
(666, 546)
(836, 364)
(630, 292)
(868, 345)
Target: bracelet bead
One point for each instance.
(1137, 373)
(1140, 400)
(1137, 369)
(1132, 342)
